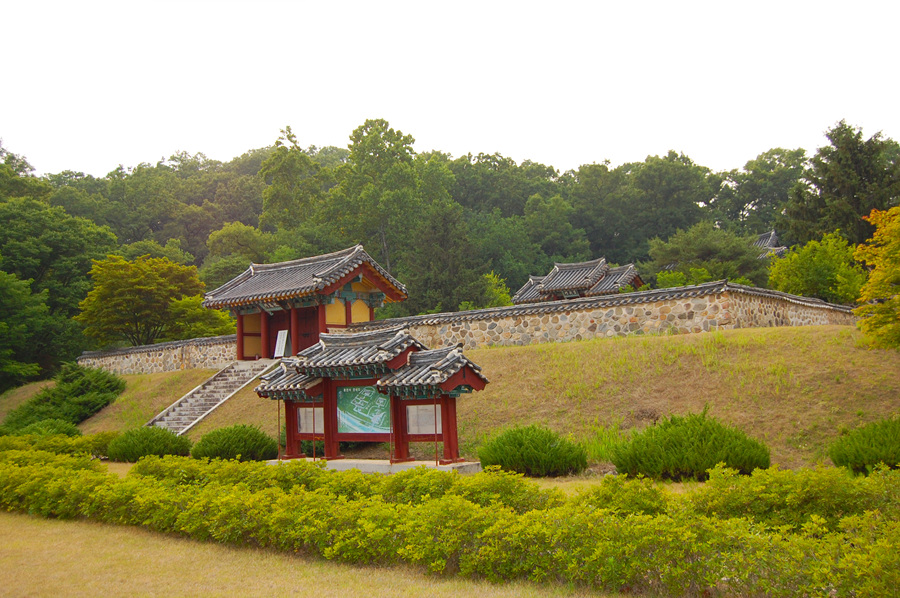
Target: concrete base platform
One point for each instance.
(384, 466)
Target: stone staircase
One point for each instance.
(187, 411)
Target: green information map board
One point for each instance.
(362, 409)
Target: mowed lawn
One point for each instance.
(49, 557)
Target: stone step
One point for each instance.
(209, 395)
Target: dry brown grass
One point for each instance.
(45, 557)
(16, 396)
(794, 388)
(797, 389)
(145, 396)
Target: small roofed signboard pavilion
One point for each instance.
(381, 386)
(303, 298)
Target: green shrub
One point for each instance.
(864, 448)
(140, 442)
(78, 394)
(50, 427)
(625, 495)
(778, 497)
(241, 441)
(533, 451)
(94, 444)
(687, 447)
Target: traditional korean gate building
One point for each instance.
(302, 299)
(381, 386)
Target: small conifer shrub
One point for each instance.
(534, 451)
(50, 427)
(241, 441)
(864, 448)
(686, 447)
(140, 442)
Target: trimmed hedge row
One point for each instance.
(625, 543)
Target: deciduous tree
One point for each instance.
(22, 316)
(132, 301)
(880, 295)
(823, 269)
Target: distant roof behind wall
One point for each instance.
(768, 242)
(298, 278)
(580, 279)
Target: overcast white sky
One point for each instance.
(90, 85)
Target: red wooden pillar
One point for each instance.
(295, 331)
(240, 337)
(291, 429)
(448, 430)
(323, 327)
(329, 400)
(371, 314)
(401, 431)
(264, 334)
(348, 311)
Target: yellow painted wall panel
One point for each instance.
(252, 346)
(359, 311)
(251, 323)
(336, 313)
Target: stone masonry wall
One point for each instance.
(700, 308)
(758, 310)
(201, 353)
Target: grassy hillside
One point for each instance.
(16, 396)
(145, 395)
(795, 388)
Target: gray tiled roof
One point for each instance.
(601, 301)
(584, 279)
(359, 349)
(351, 352)
(267, 283)
(285, 379)
(769, 243)
(430, 368)
(615, 280)
(530, 291)
(574, 277)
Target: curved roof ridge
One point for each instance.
(343, 253)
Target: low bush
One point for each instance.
(241, 441)
(686, 447)
(625, 495)
(50, 427)
(94, 444)
(778, 497)
(140, 442)
(534, 451)
(864, 448)
(616, 540)
(78, 394)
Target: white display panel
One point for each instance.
(305, 420)
(420, 419)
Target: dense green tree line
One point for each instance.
(441, 224)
